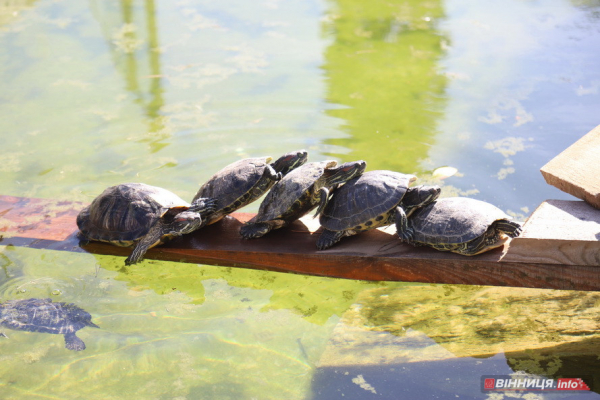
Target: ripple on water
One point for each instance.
(43, 287)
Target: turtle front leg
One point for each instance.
(271, 174)
(404, 231)
(329, 238)
(83, 240)
(72, 342)
(253, 230)
(151, 239)
(203, 206)
(323, 196)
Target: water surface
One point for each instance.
(103, 92)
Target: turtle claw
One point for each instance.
(328, 238)
(130, 261)
(83, 240)
(406, 235)
(515, 233)
(405, 232)
(72, 342)
(204, 206)
(254, 230)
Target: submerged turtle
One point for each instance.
(298, 193)
(462, 225)
(244, 181)
(42, 315)
(372, 200)
(140, 215)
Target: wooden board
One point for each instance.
(575, 170)
(376, 255)
(559, 232)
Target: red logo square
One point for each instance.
(489, 383)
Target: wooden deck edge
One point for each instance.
(374, 255)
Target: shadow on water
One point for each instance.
(382, 68)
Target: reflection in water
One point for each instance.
(10, 10)
(241, 78)
(549, 333)
(136, 54)
(383, 65)
(303, 295)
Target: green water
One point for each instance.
(103, 92)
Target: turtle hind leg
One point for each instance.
(489, 240)
(509, 228)
(72, 342)
(405, 233)
(253, 230)
(329, 238)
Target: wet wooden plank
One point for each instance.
(575, 170)
(376, 255)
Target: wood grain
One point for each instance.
(376, 255)
(575, 170)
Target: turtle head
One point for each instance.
(183, 223)
(289, 161)
(76, 314)
(343, 173)
(419, 196)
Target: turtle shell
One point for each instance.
(42, 315)
(124, 213)
(290, 195)
(232, 186)
(365, 199)
(453, 220)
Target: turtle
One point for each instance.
(374, 199)
(298, 193)
(142, 216)
(42, 315)
(244, 181)
(462, 225)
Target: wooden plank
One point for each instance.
(575, 170)
(559, 232)
(376, 255)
